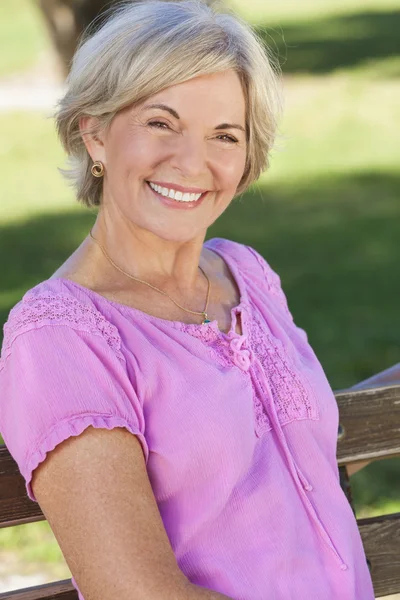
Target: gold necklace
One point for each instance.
(202, 313)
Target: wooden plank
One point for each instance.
(59, 590)
(15, 506)
(380, 535)
(370, 418)
(371, 422)
(381, 540)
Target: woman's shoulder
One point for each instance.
(247, 258)
(253, 269)
(54, 299)
(58, 302)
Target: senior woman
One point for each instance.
(169, 417)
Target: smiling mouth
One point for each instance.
(176, 195)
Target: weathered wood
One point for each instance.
(381, 541)
(370, 419)
(371, 422)
(345, 484)
(15, 506)
(59, 590)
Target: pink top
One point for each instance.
(239, 432)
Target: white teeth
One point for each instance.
(170, 193)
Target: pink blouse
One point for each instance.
(239, 432)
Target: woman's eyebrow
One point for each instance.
(175, 114)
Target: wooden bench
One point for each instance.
(369, 430)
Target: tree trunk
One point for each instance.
(67, 19)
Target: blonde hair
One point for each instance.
(147, 46)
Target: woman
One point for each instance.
(170, 418)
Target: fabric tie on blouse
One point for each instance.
(245, 359)
(242, 357)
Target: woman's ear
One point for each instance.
(92, 137)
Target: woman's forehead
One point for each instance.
(219, 94)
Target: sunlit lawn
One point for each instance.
(326, 216)
(23, 38)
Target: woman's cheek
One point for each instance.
(232, 169)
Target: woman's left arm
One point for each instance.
(389, 376)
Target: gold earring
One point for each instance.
(97, 169)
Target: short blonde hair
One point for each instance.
(147, 46)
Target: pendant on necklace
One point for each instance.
(205, 320)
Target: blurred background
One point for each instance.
(326, 215)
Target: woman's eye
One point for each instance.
(162, 125)
(157, 124)
(228, 138)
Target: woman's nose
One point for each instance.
(190, 157)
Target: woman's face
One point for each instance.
(190, 135)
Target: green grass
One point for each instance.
(278, 12)
(34, 542)
(23, 36)
(28, 148)
(326, 216)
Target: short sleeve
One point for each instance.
(61, 372)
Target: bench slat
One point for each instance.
(371, 421)
(59, 590)
(381, 541)
(15, 506)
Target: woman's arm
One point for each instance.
(95, 492)
(194, 592)
(390, 376)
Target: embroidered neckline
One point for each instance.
(180, 325)
(292, 393)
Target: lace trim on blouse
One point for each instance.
(293, 397)
(35, 310)
(218, 347)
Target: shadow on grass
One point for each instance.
(335, 243)
(347, 41)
